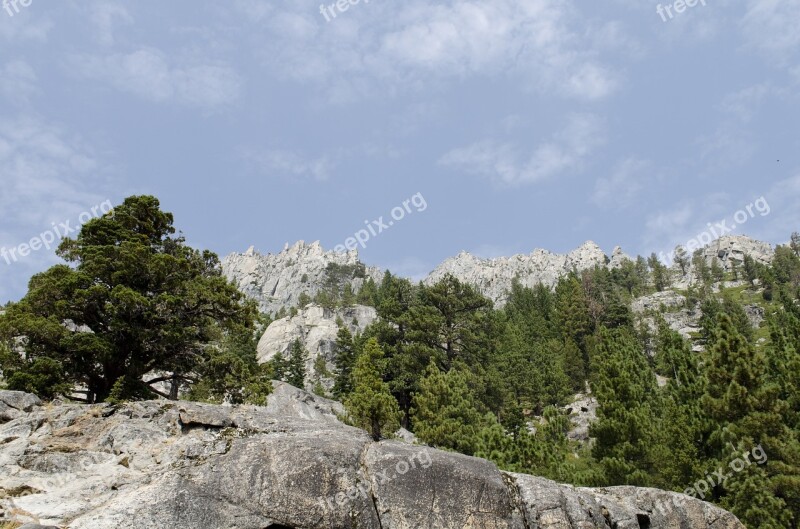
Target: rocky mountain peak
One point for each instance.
(493, 277)
(278, 280)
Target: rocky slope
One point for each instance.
(316, 328)
(276, 281)
(729, 250)
(290, 465)
(493, 277)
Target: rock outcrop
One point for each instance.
(493, 277)
(729, 251)
(276, 281)
(316, 328)
(290, 465)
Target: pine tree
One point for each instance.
(747, 411)
(701, 269)
(345, 360)
(626, 393)
(682, 259)
(681, 428)
(572, 311)
(717, 273)
(296, 366)
(371, 405)
(659, 272)
(446, 413)
(279, 366)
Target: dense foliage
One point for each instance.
(137, 313)
(134, 308)
(671, 411)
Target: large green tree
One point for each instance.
(134, 299)
(371, 405)
(625, 386)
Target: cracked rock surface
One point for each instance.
(291, 464)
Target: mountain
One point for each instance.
(493, 277)
(277, 281)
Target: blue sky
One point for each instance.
(523, 123)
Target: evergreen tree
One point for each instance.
(279, 366)
(701, 269)
(370, 405)
(368, 294)
(296, 365)
(659, 272)
(151, 302)
(682, 259)
(747, 412)
(626, 393)
(717, 273)
(446, 413)
(572, 312)
(681, 429)
(345, 360)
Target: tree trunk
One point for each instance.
(174, 387)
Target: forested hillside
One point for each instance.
(137, 314)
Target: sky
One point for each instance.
(518, 124)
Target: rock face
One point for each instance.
(493, 277)
(729, 251)
(277, 281)
(316, 328)
(185, 465)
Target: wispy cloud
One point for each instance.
(770, 27)
(18, 82)
(148, 74)
(545, 44)
(105, 17)
(285, 163)
(624, 185)
(506, 164)
(47, 176)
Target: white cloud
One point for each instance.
(105, 16)
(503, 162)
(45, 177)
(744, 103)
(148, 74)
(17, 82)
(664, 230)
(25, 26)
(406, 46)
(770, 26)
(277, 162)
(624, 185)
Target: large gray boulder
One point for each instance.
(180, 465)
(15, 403)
